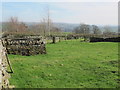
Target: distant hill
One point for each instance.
(113, 28)
(68, 27)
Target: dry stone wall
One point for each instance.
(25, 46)
(4, 76)
(113, 39)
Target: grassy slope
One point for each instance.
(68, 64)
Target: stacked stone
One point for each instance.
(4, 83)
(25, 46)
(112, 39)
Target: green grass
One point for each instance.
(68, 64)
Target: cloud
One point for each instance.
(82, 5)
(92, 13)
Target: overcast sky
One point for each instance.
(102, 13)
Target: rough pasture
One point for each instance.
(67, 64)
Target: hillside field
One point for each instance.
(68, 64)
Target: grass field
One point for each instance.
(68, 64)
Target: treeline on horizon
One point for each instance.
(47, 28)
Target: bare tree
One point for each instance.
(96, 30)
(14, 26)
(45, 25)
(82, 29)
(48, 20)
(55, 31)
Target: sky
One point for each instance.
(59, 0)
(99, 13)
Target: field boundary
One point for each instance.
(4, 76)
